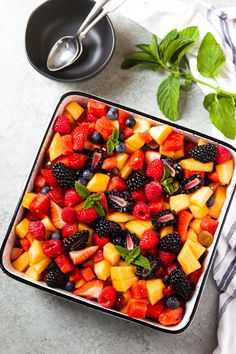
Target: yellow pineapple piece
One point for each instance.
(116, 124)
(125, 171)
(179, 202)
(31, 273)
(187, 259)
(27, 199)
(141, 125)
(22, 228)
(124, 285)
(22, 262)
(129, 149)
(192, 235)
(49, 226)
(196, 248)
(194, 165)
(159, 133)
(74, 109)
(69, 116)
(30, 238)
(201, 196)
(220, 196)
(199, 212)
(110, 253)
(98, 183)
(102, 269)
(55, 148)
(202, 142)
(166, 231)
(122, 272)
(91, 232)
(155, 290)
(79, 283)
(36, 253)
(120, 217)
(127, 296)
(42, 265)
(135, 141)
(138, 226)
(178, 154)
(196, 225)
(123, 264)
(225, 171)
(121, 159)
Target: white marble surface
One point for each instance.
(30, 320)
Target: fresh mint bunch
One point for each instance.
(134, 257)
(169, 55)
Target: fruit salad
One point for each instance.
(122, 212)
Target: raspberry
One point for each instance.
(52, 248)
(68, 215)
(107, 297)
(62, 125)
(86, 216)
(149, 240)
(77, 161)
(222, 154)
(37, 230)
(72, 198)
(141, 211)
(139, 196)
(167, 258)
(153, 191)
(69, 230)
(100, 240)
(155, 170)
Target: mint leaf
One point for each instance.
(99, 209)
(81, 190)
(190, 33)
(166, 41)
(175, 47)
(142, 262)
(144, 47)
(168, 97)
(154, 46)
(210, 58)
(222, 113)
(90, 201)
(122, 251)
(113, 141)
(132, 255)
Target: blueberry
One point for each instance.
(45, 190)
(55, 236)
(69, 286)
(82, 180)
(130, 122)
(211, 201)
(112, 113)
(87, 174)
(121, 147)
(172, 302)
(121, 136)
(96, 138)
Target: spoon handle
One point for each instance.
(112, 5)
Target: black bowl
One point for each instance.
(57, 18)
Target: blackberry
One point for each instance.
(65, 175)
(96, 159)
(173, 167)
(120, 239)
(52, 265)
(191, 184)
(143, 273)
(131, 241)
(180, 283)
(170, 243)
(163, 218)
(76, 241)
(204, 153)
(136, 181)
(120, 201)
(55, 278)
(107, 228)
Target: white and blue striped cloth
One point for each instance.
(159, 17)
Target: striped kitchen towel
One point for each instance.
(159, 17)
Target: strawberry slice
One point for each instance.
(136, 159)
(184, 219)
(79, 135)
(103, 201)
(91, 289)
(109, 163)
(56, 194)
(81, 256)
(122, 117)
(56, 215)
(51, 180)
(117, 183)
(40, 206)
(64, 263)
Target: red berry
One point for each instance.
(139, 196)
(39, 181)
(155, 170)
(153, 311)
(37, 230)
(222, 154)
(194, 276)
(155, 207)
(117, 183)
(86, 216)
(187, 147)
(168, 291)
(149, 240)
(51, 180)
(79, 135)
(99, 240)
(97, 257)
(62, 125)
(77, 161)
(153, 191)
(69, 230)
(72, 198)
(160, 272)
(107, 297)
(136, 159)
(167, 258)
(68, 215)
(52, 248)
(141, 211)
(56, 194)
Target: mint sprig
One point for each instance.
(82, 190)
(133, 256)
(113, 141)
(92, 201)
(168, 181)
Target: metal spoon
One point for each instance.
(68, 49)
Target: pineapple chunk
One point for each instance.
(98, 183)
(36, 253)
(192, 235)
(30, 238)
(178, 154)
(194, 165)
(166, 231)
(22, 228)
(42, 265)
(123, 264)
(121, 159)
(31, 273)
(225, 171)
(55, 148)
(201, 196)
(129, 149)
(116, 124)
(120, 217)
(16, 252)
(135, 141)
(22, 262)
(199, 212)
(48, 224)
(141, 125)
(187, 260)
(220, 196)
(91, 232)
(166, 153)
(122, 273)
(74, 109)
(102, 269)
(124, 285)
(202, 142)
(138, 226)
(159, 133)
(196, 248)
(110, 253)
(196, 225)
(69, 116)
(179, 202)
(126, 171)
(27, 199)
(155, 290)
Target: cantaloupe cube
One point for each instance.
(22, 228)
(194, 165)
(16, 252)
(155, 290)
(120, 217)
(102, 269)
(196, 248)
(178, 154)
(159, 133)
(129, 149)
(121, 159)
(22, 262)
(187, 260)
(69, 116)
(110, 253)
(42, 265)
(166, 231)
(123, 272)
(49, 226)
(31, 273)
(138, 226)
(30, 238)
(141, 125)
(27, 199)
(124, 285)
(225, 171)
(36, 253)
(165, 206)
(135, 141)
(127, 296)
(196, 225)
(201, 196)
(55, 148)
(192, 235)
(220, 196)
(179, 202)
(166, 153)
(90, 230)
(98, 183)
(202, 142)
(199, 212)
(74, 109)
(125, 171)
